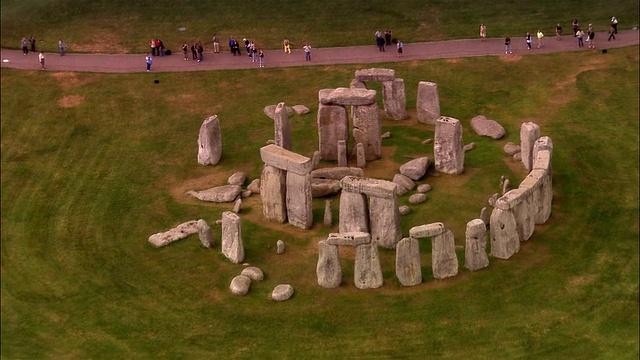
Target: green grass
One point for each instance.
(83, 187)
(126, 26)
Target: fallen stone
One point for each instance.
(204, 232)
(237, 178)
(469, 147)
(336, 173)
(417, 198)
(385, 135)
(252, 272)
(219, 194)
(270, 111)
(486, 127)
(254, 186)
(246, 193)
(237, 206)
(415, 169)
(427, 141)
(511, 148)
(301, 109)
(403, 181)
(179, 232)
(423, 188)
(240, 285)
(401, 190)
(517, 156)
(282, 292)
(404, 210)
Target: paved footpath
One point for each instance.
(122, 63)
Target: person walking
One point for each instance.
(287, 46)
(540, 36)
(614, 23)
(307, 52)
(41, 59)
(261, 58)
(149, 61)
(612, 33)
(591, 37)
(579, 34)
(32, 41)
(507, 45)
(528, 40)
(216, 44)
(399, 47)
(25, 49)
(483, 32)
(62, 46)
(558, 31)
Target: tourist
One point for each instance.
(399, 47)
(528, 40)
(591, 36)
(161, 47)
(149, 61)
(307, 52)
(200, 50)
(185, 51)
(483, 32)
(380, 43)
(216, 44)
(246, 46)
(558, 31)
(612, 32)
(261, 57)
(576, 26)
(194, 51)
(32, 41)
(236, 48)
(287, 45)
(152, 45)
(231, 41)
(540, 36)
(579, 34)
(252, 51)
(41, 59)
(507, 45)
(25, 49)
(62, 46)
(614, 23)
(387, 37)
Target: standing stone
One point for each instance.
(237, 206)
(485, 216)
(327, 213)
(204, 232)
(342, 153)
(367, 270)
(281, 126)
(448, 151)
(444, 261)
(333, 125)
(232, 246)
(408, 267)
(504, 235)
(384, 218)
(361, 160)
(279, 247)
(210, 142)
(505, 186)
(299, 200)
(475, 250)
(353, 212)
(328, 270)
(394, 99)
(529, 133)
(428, 103)
(315, 159)
(367, 128)
(273, 193)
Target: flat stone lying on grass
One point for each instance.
(254, 273)
(403, 181)
(240, 285)
(301, 109)
(219, 194)
(469, 147)
(179, 232)
(404, 209)
(423, 188)
(336, 173)
(511, 148)
(486, 127)
(417, 198)
(385, 135)
(237, 178)
(415, 169)
(282, 292)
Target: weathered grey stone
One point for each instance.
(315, 159)
(375, 74)
(273, 192)
(367, 270)
(281, 127)
(384, 219)
(361, 160)
(179, 232)
(300, 109)
(254, 273)
(204, 232)
(299, 200)
(415, 169)
(529, 133)
(506, 186)
(408, 266)
(485, 216)
(240, 285)
(237, 178)
(237, 206)
(427, 141)
(342, 153)
(417, 198)
(428, 103)
(367, 128)
(324, 187)
(210, 142)
(254, 186)
(401, 190)
(403, 181)
(487, 127)
(448, 152)
(385, 135)
(427, 230)
(282, 292)
(286, 160)
(404, 210)
(279, 247)
(444, 261)
(493, 199)
(517, 156)
(354, 238)
(328, 216)
(357, 84)
(348, 97)
(337, 173)
(475, 250)
(504, 235)
(469, 147)
(371, 187)
(246, 193)
(328, 269)
(511, 149)
(333, 125)
(219, 194)
(232, 246)
(394, 99)
(353, 214)
(423, 188)
(270, 111)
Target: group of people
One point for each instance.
(30, 45)
(157, 47)
(384, 39)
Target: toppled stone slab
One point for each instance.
(347, 97)
(286, 160)
(375, 74)
(254, 186)
(301, 109)
(218, 194)
(353, 238)
(427, 230)
(403, 181)
(511, 149)
(417, 198)
(324, 187)
(177, 233)
(486, 127)
(337, 173)
(385, 135)
(254, 273)
(237, 178)
(282, 292)
(415, 169)
(240, 285)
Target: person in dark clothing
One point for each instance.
(387, 37)
(380, 42)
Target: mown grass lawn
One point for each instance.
(92, 164)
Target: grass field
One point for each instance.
(118, 26)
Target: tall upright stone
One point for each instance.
(333, 125)
(394, 99)
(428, 103)
(361, 159)
(299, 200)
(273, 192)
(328, 217)
(204, 233)
(408, 266)
(342, 153)
(475, 250)
(504, 235)
(328, 269)
(384, 219)
(444, 261)
(448, 149)
(529, 133)
(232, 245)
(367, 129)
(210, 141)
(281, 127)
(367, 272)
(354, 212)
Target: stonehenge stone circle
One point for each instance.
(408, 267)
(475, 250)
(232, 246)
(286, 160)
(210, 142)
(428, 103)
(448, 152)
